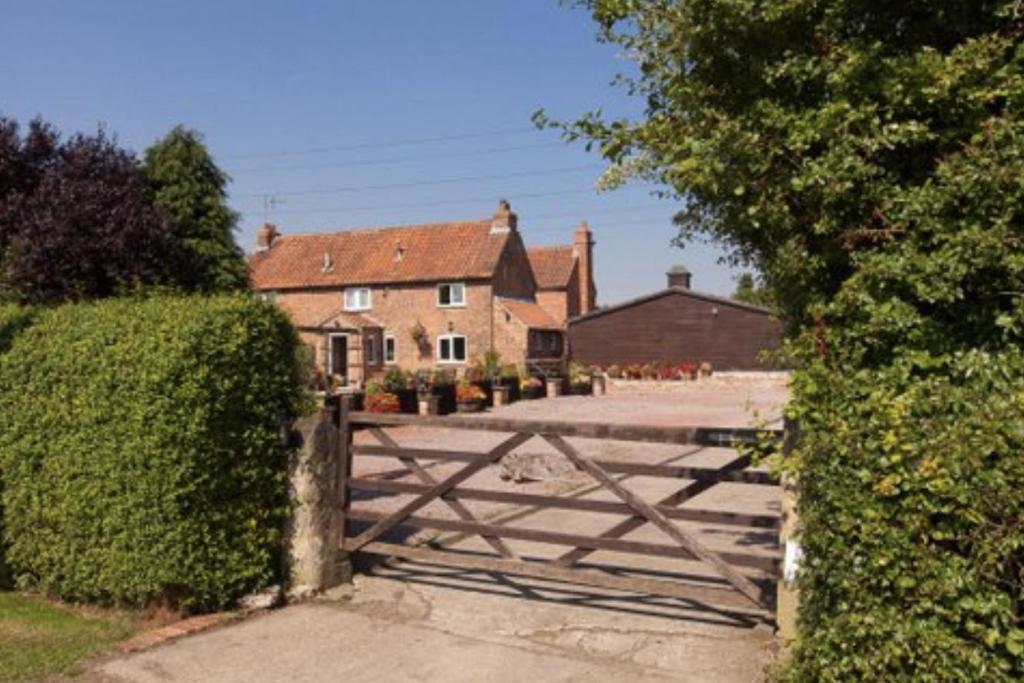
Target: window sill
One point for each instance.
(451, 306)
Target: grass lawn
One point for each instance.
(40, 638)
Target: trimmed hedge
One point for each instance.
(140, 449)
(13, 319)
(912, 504)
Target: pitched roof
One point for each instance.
(552, 266)
(530, 314)
(710, 298)
(413, 253)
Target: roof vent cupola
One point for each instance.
(679, 276)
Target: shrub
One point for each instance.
(140, 452)
(913, 521)
(614, 371)
(13, 319)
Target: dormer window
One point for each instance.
(358, 299)
(451, 295)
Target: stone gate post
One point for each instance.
(313, 558)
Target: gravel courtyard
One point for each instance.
(409, 621)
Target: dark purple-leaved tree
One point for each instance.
(76, 218)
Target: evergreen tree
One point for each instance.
(187, 183)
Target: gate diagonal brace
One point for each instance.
(438, 490)
(458, 508)
(646, 510)
(691, 490)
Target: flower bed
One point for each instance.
(672, 372)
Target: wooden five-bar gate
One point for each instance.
(730, 589)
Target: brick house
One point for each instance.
(424, 296)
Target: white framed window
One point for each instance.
(358, 299)
(390, 349)
(451, 294)
(451, 348)
(370, 344)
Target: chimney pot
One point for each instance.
(504, 218)
(679, 276)
(266, 235)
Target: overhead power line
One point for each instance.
(355, 163)
(383, 143)
(417, 205)
(424, 183)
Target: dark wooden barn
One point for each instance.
(674, 325)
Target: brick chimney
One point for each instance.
(583, 248)
(265, 236)
(504, 218)
(678, 276)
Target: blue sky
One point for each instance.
(328, 106)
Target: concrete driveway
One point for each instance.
(415, 622)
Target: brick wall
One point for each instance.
(398, 308)
(513, 277)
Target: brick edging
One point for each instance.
(177, 630)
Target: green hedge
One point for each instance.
(140, 449)
(13, 319)
(912, 502)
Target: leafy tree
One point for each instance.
(76, 220)
(749, 290)
(866, 157)
(188, 184)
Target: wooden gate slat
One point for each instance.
(765, 562)
(723, 517)
(458, 508)
(632, 468)
(742, 583)
(626, 526)
(442, 487)
(723, 599)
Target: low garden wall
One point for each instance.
(141, 454)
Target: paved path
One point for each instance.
(416, 622)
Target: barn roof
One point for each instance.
(682, 291)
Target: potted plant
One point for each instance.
(442, 385)
(579, 379)
(378, 400)
(469, 397)
(706, 369)
(531, 388)
(400, 383)
(511, 377)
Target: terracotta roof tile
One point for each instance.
(415, 253)
(530, 314)
(552, 266)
